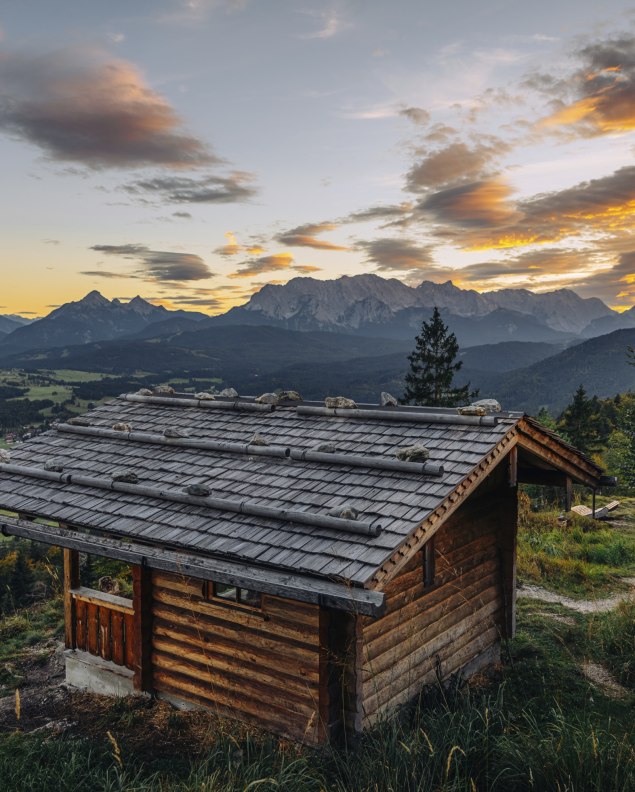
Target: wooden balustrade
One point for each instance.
(104, 625)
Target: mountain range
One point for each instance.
(350, 335)
(94, 318)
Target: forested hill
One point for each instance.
(600, 364)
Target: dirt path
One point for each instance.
(529, 591)
(602, 678)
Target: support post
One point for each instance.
(142, 626)
(71, 581)
(507, 548)
(593, 503)
(568, 494)
(513, 467)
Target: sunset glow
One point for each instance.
(171, 150)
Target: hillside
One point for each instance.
(227, 352)
(507, 355)
(600, 364)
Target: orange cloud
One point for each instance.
(78, 105)
(305, 236)
(277, 261)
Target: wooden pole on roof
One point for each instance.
(142, 626)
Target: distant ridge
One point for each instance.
(93, 318)
(372, 305)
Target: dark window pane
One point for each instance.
(225, 592)
(249, 597)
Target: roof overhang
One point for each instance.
(317, 591)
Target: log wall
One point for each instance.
(263, 666)
(431, 633)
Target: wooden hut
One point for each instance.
(289, 569)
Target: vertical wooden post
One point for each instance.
(344, 676)
(142, 626)
(507, 547)
(568, 494)
(513, 467)
(593, 505)
(71, 581)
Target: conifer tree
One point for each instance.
(627, 461)
(433, 365)
(579, 422)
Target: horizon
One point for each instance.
(127, 300)
(488, 145)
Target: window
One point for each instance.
(226, 593)
(428, 564)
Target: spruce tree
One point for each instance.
(627, 462)
(579, 422)
(433, 365)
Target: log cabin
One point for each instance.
(289, 568)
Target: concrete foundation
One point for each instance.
(87, 672)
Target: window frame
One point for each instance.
(210, 595)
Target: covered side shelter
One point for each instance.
(289, 570)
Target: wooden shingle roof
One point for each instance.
(392, 504)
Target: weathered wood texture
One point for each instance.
(103, 625)
(432, 633)
(71, 581)
(264, 666)
(142, 627)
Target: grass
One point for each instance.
(27, 636)
(581, 557)
(536, 725)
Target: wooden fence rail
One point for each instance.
(104, 625)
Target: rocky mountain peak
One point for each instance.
(93, 299)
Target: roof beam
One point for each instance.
(268, 581)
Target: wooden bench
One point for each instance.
(600, 513)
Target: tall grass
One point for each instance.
(579, 556)
(612, 638)
(468, 743)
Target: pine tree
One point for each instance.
(579, 422)
(433, 365)
(627, 461)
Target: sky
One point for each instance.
(191, 151)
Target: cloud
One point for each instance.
(305, 236)
(599, 98)
(231, 248)
(236, 187)
(457, 162)
(184, 215)
(82, 106)
(482, 204)
(51, 241)
(105, 274)
(397, 255)
(387, 212)
(417, 115)
(159, 265)
(306, 269)
(256, 266)
(614, 284)
(332, 23)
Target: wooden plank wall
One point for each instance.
(263, 666)
(437, 631)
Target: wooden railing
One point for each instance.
(104, 625)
